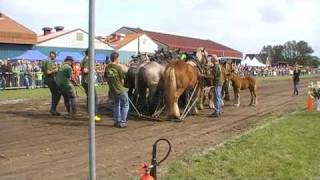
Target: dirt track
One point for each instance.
(34, 145)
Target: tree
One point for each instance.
(291, 52)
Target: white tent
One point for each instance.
(246, 61)
(256, 63)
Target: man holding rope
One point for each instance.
(66, 86)
(50, 70)
(115, 78)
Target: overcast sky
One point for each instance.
(245, 25)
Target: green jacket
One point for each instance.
(217, 78)
(114, 76)
(48, 65)
(63, 77)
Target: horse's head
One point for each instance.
(230, 75)
(202, 56)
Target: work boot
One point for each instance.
(54, 113)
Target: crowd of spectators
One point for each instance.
(274, 71)
(28, 74)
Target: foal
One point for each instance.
(241, 83)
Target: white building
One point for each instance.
(135, 42)
(68, 41)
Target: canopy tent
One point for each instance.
(257, 63)
(31, 55)
(254, 62)
(101, 58)
(77, 57)
(246, 61)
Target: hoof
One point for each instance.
(236, 105)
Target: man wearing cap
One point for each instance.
(115, 78)
(50, 70)
(66, 87)
(217, 84)
(85, 82)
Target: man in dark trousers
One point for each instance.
(85, 82)
(296, 79)
(217, 84)
(50, 70)
(66, 86)
(115, 78)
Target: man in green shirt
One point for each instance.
(85, 82)
(50, 70)
(217, 84)
(115, 78)
(66, 87)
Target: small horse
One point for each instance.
(180, 76)
(242, 83)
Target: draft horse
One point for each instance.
(242, 83)
(180, 76)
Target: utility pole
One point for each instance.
(91, 94)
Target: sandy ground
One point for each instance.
(37, 146)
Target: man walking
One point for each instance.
(296, 79)
(85, 82)
(115, 78)
(66, 87)
(217, 84)
(50, 70)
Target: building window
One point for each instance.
(79, 36)
(144, 41)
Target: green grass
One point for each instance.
(280, 78)
(288, 148)
(41, 93)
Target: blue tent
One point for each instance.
(31, 55)
(77, 57)
(101, 58)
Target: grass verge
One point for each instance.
(41, 93)
(287, 148)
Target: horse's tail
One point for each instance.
(170, 86)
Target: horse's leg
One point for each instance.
(175, 108)
(235, 97)
(200, 100)
(152, 99)
(238, 98)
(251, 101)
(225, 91)
(210, 98)
(255, 97)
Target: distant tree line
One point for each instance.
(292, 52)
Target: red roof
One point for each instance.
(15, 33)
(127, 39)
(189, 44)
(43, 38)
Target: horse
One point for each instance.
(150, 80)
(242, 83)
(180, 76)
(131, 81)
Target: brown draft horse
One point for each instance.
(242, 83)
(180, 76)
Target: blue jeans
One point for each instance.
(217, 99)
(120, 107)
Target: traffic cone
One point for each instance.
(310, 104)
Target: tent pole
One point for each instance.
(91, 94)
